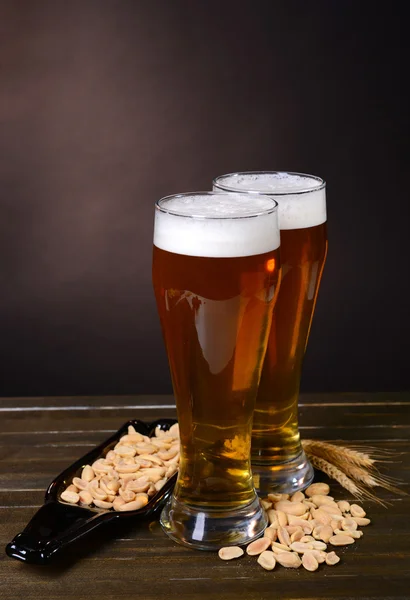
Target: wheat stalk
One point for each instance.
(354, 469)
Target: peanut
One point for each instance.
(357, 511)
(280, 547)
(230, 552)
(72, 488)
(267, 560)
(332, 558)
(301, 547)
(344, 506)
(297, 536)
(322, 501)
(71, 497)
(309, 561)
(362, 522)
(317, 488)
(271, 533)
(288, 559)
(291, 508)
(102, 503)
(258, 546)
(283, 536)
(85, 497)
(88, 473)
(341, 540)
(140, 502)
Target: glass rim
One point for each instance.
(260, 213)
(321, 183)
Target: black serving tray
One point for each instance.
(57, 523)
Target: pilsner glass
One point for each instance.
(215, 272)
(278, 460)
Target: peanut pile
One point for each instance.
(136, 468)
(301, 527)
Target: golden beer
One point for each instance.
(278, 461)
(275, 436)
(214, 280)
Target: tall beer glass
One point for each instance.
(278, 461)
(215, 273)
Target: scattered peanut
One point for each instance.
(301, 547)
(230, 552)
(344, 506)
(301, 528)
(288, 559)
(280, 547)
(309, 561)
(292, 508)
(283, 536)
(332, 558)
(317, 488)
(323, 532)
(277, 497)
(349, 525)
(271, 533)
(282, 518)
(319, 555)
(267, 560)
(362, 522)
(297, 536)
(307, 538)
(341, 540)
(357, 511)
(258, 546)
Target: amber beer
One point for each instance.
(215, 272)
(278, 461)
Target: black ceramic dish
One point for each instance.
(57, 523)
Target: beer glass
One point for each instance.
(278, 460)
(215, 272)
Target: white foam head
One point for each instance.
(217, 224)
(301, 198)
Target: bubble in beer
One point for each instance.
(216, 225)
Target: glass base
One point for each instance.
(213, 529)
(283, 478)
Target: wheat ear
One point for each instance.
(331, 452)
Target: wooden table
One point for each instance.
(40, 436)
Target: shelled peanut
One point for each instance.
(133, 471)
(301, 527)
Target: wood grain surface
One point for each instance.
(39, 437)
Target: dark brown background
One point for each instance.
(107, 106)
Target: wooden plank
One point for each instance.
(192, 576)
(95, 418)
(86, 433)
(123, 402)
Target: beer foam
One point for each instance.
(217, 224)
(301, 198)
